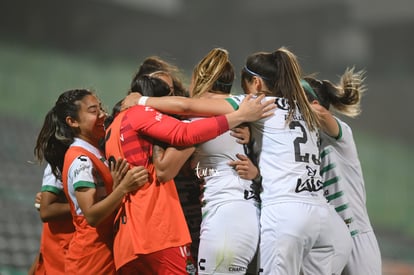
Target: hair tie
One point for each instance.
(308, 88)
(253, 73)
(224, 84)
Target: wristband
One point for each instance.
(142, 100)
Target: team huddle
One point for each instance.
(281, 189)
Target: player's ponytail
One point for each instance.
(55, 135)
(344, 97)
(213, 73)
(352, 87)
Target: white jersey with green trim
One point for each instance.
(288, 157)
(343, 178)
(82, 173)
(50, 183)
(210, 162)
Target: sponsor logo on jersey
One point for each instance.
(311, 184)
(82, 167)
(202, 172)
(201, 264)
(235, 268)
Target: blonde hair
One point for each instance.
(345, 96)
(351, 87)
(213, 67)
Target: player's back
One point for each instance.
(288, 157)
(210, 162)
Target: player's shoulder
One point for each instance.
(80, 163)
(49, 179)
(236, 98)
(345, 129)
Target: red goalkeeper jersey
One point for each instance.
(151, 219)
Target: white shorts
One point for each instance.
(229, 238)
(365, 257)
(342, 246)
(288, 232)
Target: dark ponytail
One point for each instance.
(55, 135)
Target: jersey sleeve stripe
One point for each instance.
(81, 184)
(335, 196)
(330, 181)
(327, 168)
(341, 208)
(52, 189)
(232, 103)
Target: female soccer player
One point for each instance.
(229, 233)
(295, 216)
(69, 141)
(152, 228)
(340, 166)
(57, 226)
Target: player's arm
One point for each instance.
(327, 121)
(52, 201)
(241, 133)
(245, 168)
(38, 197)
(53, 207)
(175, 132)
(118, 169)
(169, 161)
(194, 106)
(180, 105)
(97, 209)
(250, 109)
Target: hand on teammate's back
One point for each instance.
(136, 177)
(129, 179)
(244, 167)
(130, 100)
(241, 133)
(252, 109)
(118, 170)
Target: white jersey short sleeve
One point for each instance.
(340, 161)
(281, 147)
(295, 216)
(210, 163)
(345, 187)
(82, 173)
(229, 205)
(50, 183)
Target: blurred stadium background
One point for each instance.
(49, 46)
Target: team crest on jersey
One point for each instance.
(311, 184)
(282, 103)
